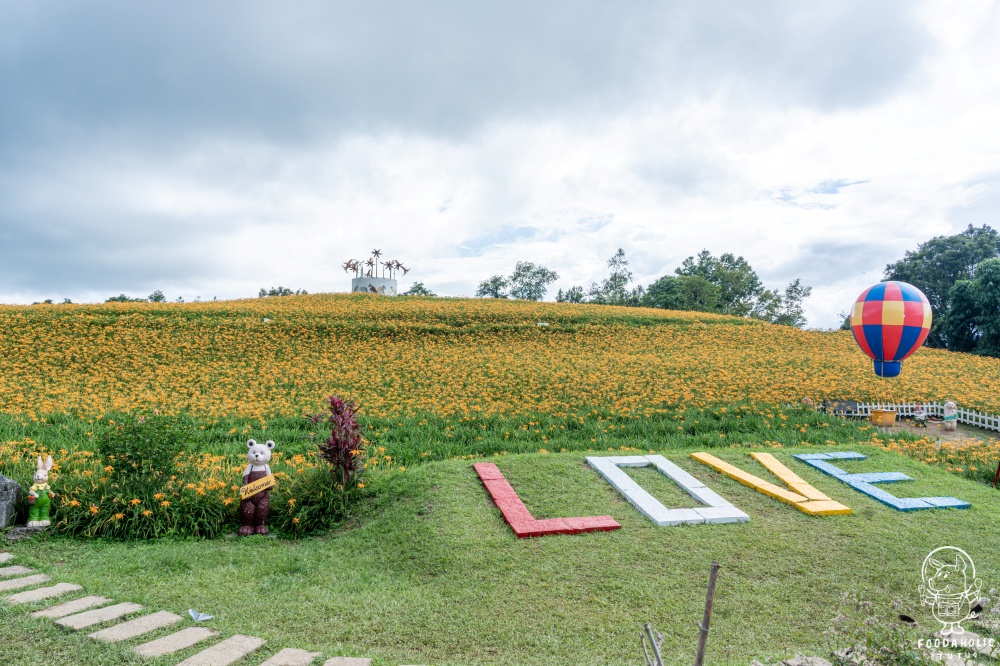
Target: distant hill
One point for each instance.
(280, 356)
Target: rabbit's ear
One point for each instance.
(48, 463)
(41, 465)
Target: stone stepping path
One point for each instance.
(27, 581)
(41, 593)
(88, 611)
(292, 657)
(98, 616)
(175, 642)
(70, 607)
(227, 652)
(137, 627)
(7, 572)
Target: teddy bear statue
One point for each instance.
(950, 416)
(255, 495)
(40, 495)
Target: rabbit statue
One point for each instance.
(40, 495)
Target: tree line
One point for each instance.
(960, 275)
(726, 284)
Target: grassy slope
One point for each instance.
(434, 575)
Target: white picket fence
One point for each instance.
(969, 416)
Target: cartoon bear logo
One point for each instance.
(950, 587)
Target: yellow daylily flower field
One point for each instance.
(411, 356)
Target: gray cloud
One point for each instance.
(157, 73)
(100, 100)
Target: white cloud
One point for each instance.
(799, 143)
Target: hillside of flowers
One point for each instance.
(411, 356)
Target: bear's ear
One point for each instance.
(270, 444)
(251, 443)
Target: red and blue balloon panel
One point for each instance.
(890, 321)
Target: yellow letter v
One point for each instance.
(803, 497)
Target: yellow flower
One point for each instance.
(109, 468)
(291, 502)
(93, 509)
(295, 521)
(74, 503)
(147, 513)
(135, 501)
(164, 503)
(119, 516)
(361, 485)
(158, 496)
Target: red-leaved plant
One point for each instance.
(344, 448)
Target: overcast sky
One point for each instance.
(209, 149)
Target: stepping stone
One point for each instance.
(18, 583)
(56, 590)
(136, 627)
(70, 607)
(227, 652)
(292, 657)
(347, 661)
(7, 572)
(90, 618)
(176, 642)
(5, 556)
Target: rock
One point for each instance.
(292, 657)
(143, 625)
(7, 572)
(99, 616)
(41, 593)
(176, 642)
(70, 607)
(10, 495)
(227, 652)
(18, 533)
(347, 661)
(18, 583)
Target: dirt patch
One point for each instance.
(936, 431)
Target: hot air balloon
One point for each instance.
(890, 321)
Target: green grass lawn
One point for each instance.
(432, 575)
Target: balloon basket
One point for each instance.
(884, 418)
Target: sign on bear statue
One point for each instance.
(255, 495)
(711, 507)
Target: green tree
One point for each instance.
(280, 291)
(936, 265)
(683, 292)
(986, 291)
(493, 287)
(418, 289)
(122, 298)
(958, 325)
(791, 312)
(740, 289)
(613, 290)
(157, 297)
(530, 281)
(572, 295)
